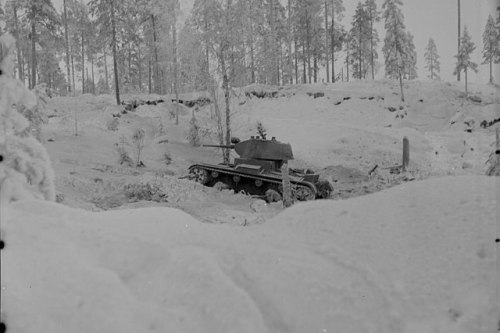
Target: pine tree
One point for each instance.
(464, 62)
(491, 49)
(39, 13)
(432, 60)
(359, 42)
(400, 57)
(338, 34)
(373, 16)
(411, 68)
(26, 171)
(106, 16)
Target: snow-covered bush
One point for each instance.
(25, 171)
(36, 115)
(261, 129)
(147, 192)
(494, 159)
(194, 132)
(123, 156)
(138, 140)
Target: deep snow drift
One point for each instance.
(420, 257)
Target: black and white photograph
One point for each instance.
(250, 166)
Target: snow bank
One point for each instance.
(416, 258)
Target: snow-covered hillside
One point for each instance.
(349, 129)
(420, 257)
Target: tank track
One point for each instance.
(277, 181)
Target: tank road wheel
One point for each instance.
(325, 189)
(273, 196)
(303, 193)
(199, 175)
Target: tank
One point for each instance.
(257, 171)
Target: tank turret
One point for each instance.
(261, 149)
(257, 171)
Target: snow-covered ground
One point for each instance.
(418, 257)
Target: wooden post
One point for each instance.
(287, 189)
(406, 153)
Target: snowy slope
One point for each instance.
(420, 257)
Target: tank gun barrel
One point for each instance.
(220, 146)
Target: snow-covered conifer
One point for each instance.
(359, 42)
(411, 66)
(26, 170)
(464, 63)
(491, 49)
(399, 51)
(373, 16)
(432, 60)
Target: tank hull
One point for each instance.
(257, 181)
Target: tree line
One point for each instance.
(235, 42)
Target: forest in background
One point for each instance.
(130, 46)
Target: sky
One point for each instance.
(426, 19)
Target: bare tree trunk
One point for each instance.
(33, 55)
(93, 78)
(304, 77)
(225, 85)
(360, 62)
(129, 70)
(372, 61)
(326, 43)
(83, 63)
(290, 71)
(29, 65)
(66, 40)
(139, 67)
(458, 72)
(115, 63)
(347, 61)
(87, 80)
(401, 85)
(106, 74)
(491, 70)
(149, 75)
(308, 39)
(174, 42)
(20, 68)
(156, 66)
(296, 61)
(466, 92)
(315, 66)
(333, 42)
(73, 73)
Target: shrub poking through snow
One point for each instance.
(145, 192)
(167, 158)
(194, 132)
(261, 130)
(494, 159)
(138, 140)
(36, 115)
(123, 156)
(26, 171)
